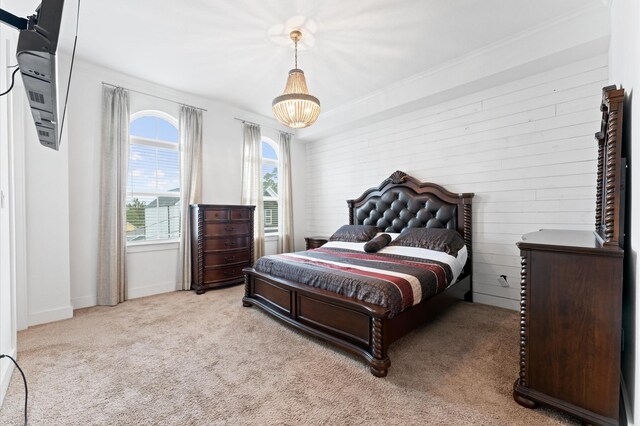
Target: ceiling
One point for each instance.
(230, 51)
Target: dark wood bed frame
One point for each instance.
(363, 328)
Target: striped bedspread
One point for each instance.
(391, 281)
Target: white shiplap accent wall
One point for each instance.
(525, 148)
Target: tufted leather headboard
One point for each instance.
(402, 201)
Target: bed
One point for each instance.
(363, 325)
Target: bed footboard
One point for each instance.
(351, 325)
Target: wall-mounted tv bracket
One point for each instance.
(15, 21)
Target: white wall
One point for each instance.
(624, 66)
(8, 344)
(40, 216)
(525, 148)
(152, 268)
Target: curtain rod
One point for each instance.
(153, 96)
(260, 125)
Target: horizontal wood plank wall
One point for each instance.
(526, 148)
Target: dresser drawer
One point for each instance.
(218, 244)
(223, 274)
(238, 214)
(220, 259)
(221, 229)
(216, 214)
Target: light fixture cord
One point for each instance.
(296, 49)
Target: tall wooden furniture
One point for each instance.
(571, 298)
(221, 245)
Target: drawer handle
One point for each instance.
(229, 273)
(229, 244)
(229, 259)
(228, 228)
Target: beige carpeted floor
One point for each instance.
(183, 359)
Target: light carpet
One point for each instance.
(184, 359)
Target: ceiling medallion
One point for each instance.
(296, 108)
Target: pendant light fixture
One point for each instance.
(296, 108)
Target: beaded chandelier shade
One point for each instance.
(296, 108)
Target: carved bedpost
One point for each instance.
(523, 321)
(521, 382)
(600, 175)
(351, 212)
(613, 185)
(608, 187)
(247, 291)
(468, 242)
(380, 362)
(199, 280)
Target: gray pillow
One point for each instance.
(377, 243)
(355, 233)
(440, 239)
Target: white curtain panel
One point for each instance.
(285, 198)
(252, 183)
(190, 128)
(112, 238)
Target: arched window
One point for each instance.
(270, 185)
(153, 178)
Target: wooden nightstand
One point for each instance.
(315, 242)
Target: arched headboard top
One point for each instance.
(402, 201)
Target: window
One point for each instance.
(270, 185)
(153, 179)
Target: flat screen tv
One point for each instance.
(36, 55)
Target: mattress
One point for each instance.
(395, 277)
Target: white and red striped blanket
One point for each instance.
(392, 281)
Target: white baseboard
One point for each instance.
(150, 290)
(6, 370)
(84, 301)
(44, 317)
(500, 302)
(134, 293)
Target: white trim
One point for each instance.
(151, 290)
(6, 370)
(51, 315)
(84, 301)
(147, 246)
(500, 302)
(273, 144)
(155, 143)
(154, 113)
(154, 194)
(19, 215)
(566, 39)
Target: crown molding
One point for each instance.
(555, 43)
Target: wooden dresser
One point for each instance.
(571, 316)
(571, 297)
(221, 245)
